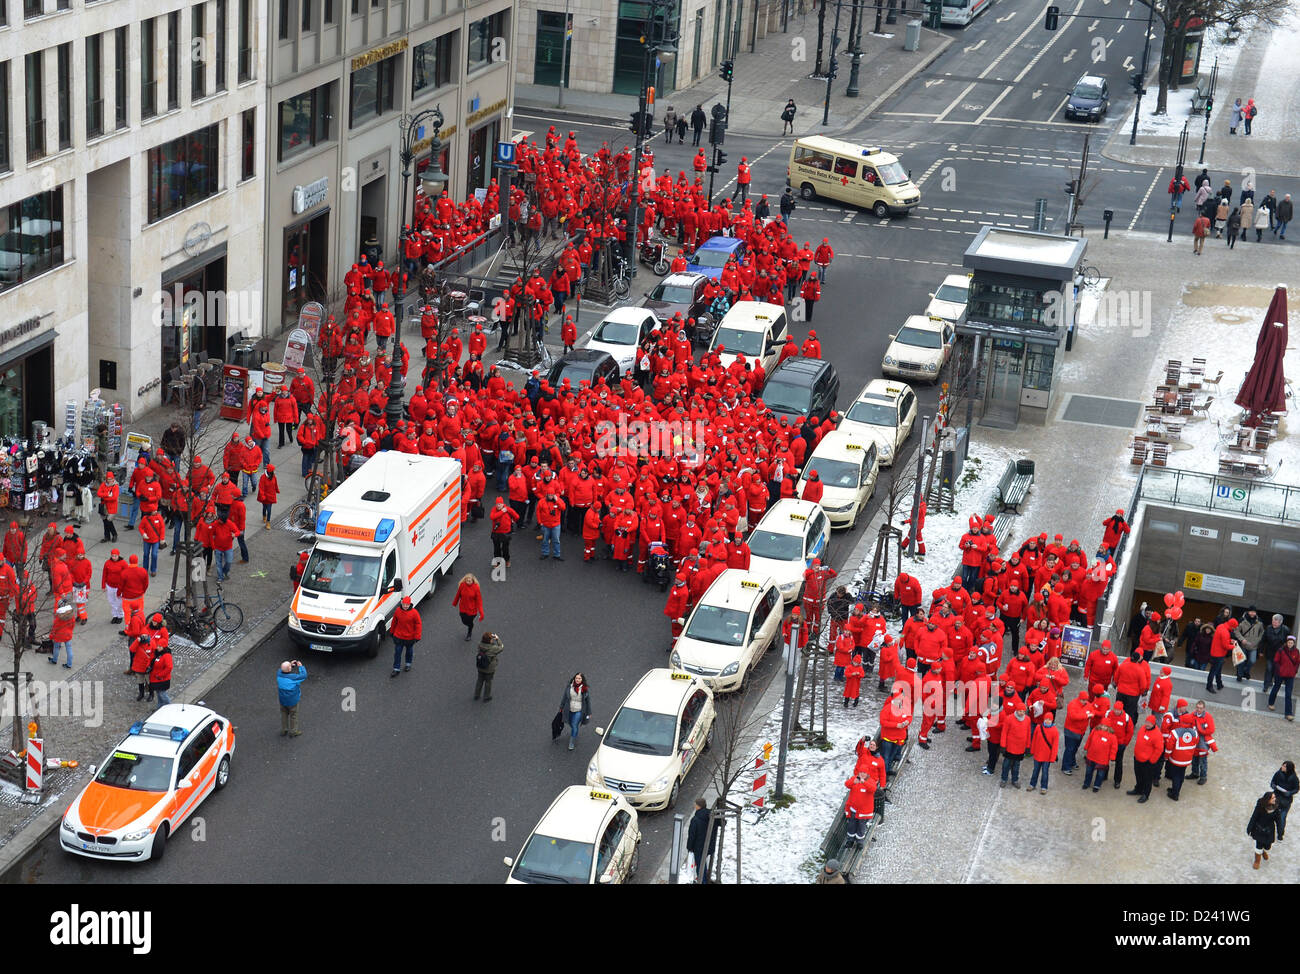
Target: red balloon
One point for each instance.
(1169, 599)
(1175, 613)
(1179, 598)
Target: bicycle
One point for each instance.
(1085, 275)
(226, 616)
(302, 514)
(184, 620)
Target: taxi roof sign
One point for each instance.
(794, 516)
(853, 446)
(681, 676)
(748, 584)
(602, 796)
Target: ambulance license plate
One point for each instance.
(321, 647)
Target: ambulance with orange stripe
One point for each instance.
(389, 530)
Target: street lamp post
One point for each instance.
(654, 49)
(1140, 86)
(412, 130)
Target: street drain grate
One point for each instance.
(1101, 411)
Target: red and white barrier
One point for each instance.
(35, 764)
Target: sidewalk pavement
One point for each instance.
(765, 79)
(1262, 66)
(1082, 471)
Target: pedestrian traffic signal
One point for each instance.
(1136, 82)
(727, 71)
(1209, 104)
(1053, 18)
(719, 158)
(1069, 188)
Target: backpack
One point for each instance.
(1254, 110)
(482, 660)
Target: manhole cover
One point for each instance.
(1101, 411)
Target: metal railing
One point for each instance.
(1214, 492)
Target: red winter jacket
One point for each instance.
(1132, 679)
(1044, 742)
(152, 528)
(135, 582)
(469, 599)
(1101, 668)
(1223, 642)
(268, 489)
(406, 625)
(111, 576)
(1148, 745)
(1015, 735)
(161, 670)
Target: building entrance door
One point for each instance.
(1002, 389)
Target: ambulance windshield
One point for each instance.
(339, 573)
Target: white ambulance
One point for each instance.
(390, 529)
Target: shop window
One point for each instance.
(305, 121)
(183, 172)
(487, 37)
(31, 237)
(372, 91)
(431, 65)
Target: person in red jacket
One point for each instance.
(860, 806)
(1132, 680)
(108, 493)
(141, 651)
(895, 718)
(502, 518)
(813, 487)
(152, 531)
(1205, 742)
(1114, 528)
(1180, 749)
(160, 675)
(1101, 667)
(1015, 742)
(61, 634)
(1123, 726)
(268, 492)
(822, 257)
(811, 292)
(1044, 742)
(1225, 638)
(285, 413)
(550, 511)
(222, 534)
(15, 545)
(135, 583)
(844, 648)
(468, 600)
(238, 518)
(110, 581)
(907, 593)
(406, 629)
(1148, 748)
(1161, 689)
(676, 606)
(853, 675)
(1099, 752)
(932, 703)
(82, 571)
(1012, 606)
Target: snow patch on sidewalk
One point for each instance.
(1179, 103)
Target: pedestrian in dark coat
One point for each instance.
(699, 835)
(575, 704)
(1285, 784)
(1263, 826)
(787, 117)
(786, 204)
(485, 662)
(698, 120)
(1233, 227)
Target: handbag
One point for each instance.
(557, 724)
(1238, 654)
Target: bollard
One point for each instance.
(675, 856)
(1172, 217)
(1107, 215)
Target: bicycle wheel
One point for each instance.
(201, 632)
(300, 517)
(227, 616)
(1090, 275)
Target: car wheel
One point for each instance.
(372, 647)
(853, 521)
(223, 772)
(807, 192)
(672, 797)
(159, 847)
(881, 210)
(635, 863)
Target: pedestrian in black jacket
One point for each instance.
(1273, 639)
(1263, 826)
(698, 119)
(787, 204)
(698, 836)
(1285, 784)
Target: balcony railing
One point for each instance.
(1228, 495)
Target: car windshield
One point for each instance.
(136, 772)
(833, 473)
(891, 173)
(718, 624)
(952, 293)
(785, 397)
(919, 338)
(546, 859)
(617, 333)
(777, 547)
(1088, 91)
(711, 258)
(673, 293)
(642, 732)
(873, 413)
(335, 573)
(733, 340)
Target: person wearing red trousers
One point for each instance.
(675, 607)
(853, 680)
(932, 703)
(887, 668)
(860, 806)
(920, 526)
(817, 579)
(590, 532)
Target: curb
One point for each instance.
(17, 848)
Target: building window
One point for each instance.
(35, 91)
(5, 164)
(173, 60)
(32, 235)
(148, 69)
(221, 45)
(548, 63)
(283, 18)
(356, 7)
(372, 91)
(63, 5)
(305, 120)
(183, 172)
(121, 71)
(33, 8)
(198, 64)
(245, 40)
(327, 12)
(248, 144)
(94, 86)
(306, 15)
(64, 62)
(432, 64)
(486, 37)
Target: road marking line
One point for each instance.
(1069, 57)
(1005, 91)
(998, 60)
(1003, 20)
(1093, 26)
(1154, 182)
(974, 47)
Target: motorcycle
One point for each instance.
(654, 254)
(658, 565)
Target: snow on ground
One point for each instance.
(1225, 338)
(784, 846)
(1179, 105)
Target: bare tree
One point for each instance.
(31, 612)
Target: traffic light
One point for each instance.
(719, 158)
(1069, 188)
(717, 131)
(1136, 82)
(1209, 104)
(1053, 18)
(934, 14)
(636, 123)
(727, 71)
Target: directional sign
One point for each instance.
(505, 153)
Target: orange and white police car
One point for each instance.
(150, 784)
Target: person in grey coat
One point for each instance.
(485, 662)
(670, 124)
(575, 704)
(1234, 122)
(1250, 630)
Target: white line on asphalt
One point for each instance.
(1109, 43)
(1057, 110)
(974, 47)
(1119, 29)
(930, 83)
(594, 125)
(1003, 20)
(1093, 26)
(1069, 57)
(1128, 64)
(1146, 196)
(1005, 91)
(997, 60)
(912, 114)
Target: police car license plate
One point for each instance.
(90, 847)
(321, 647)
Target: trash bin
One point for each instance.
(1025, 468)
(912, 39)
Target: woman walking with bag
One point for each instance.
(469, 602)
(575, 705)
(1263, 826)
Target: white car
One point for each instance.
(585, 837)
(654, 739)
(150, 784)
(791, 534)
(847, 465)
(949, 302)
(729, 630)
(754, 329)
(885, 411)
(920, 348)
(620, 332)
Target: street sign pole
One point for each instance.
(791, 661)
(564, 61)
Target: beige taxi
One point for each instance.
(735, 622)
(885, 411)
(847, 464)
(585, 837)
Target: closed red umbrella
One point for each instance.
(1264, 390)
